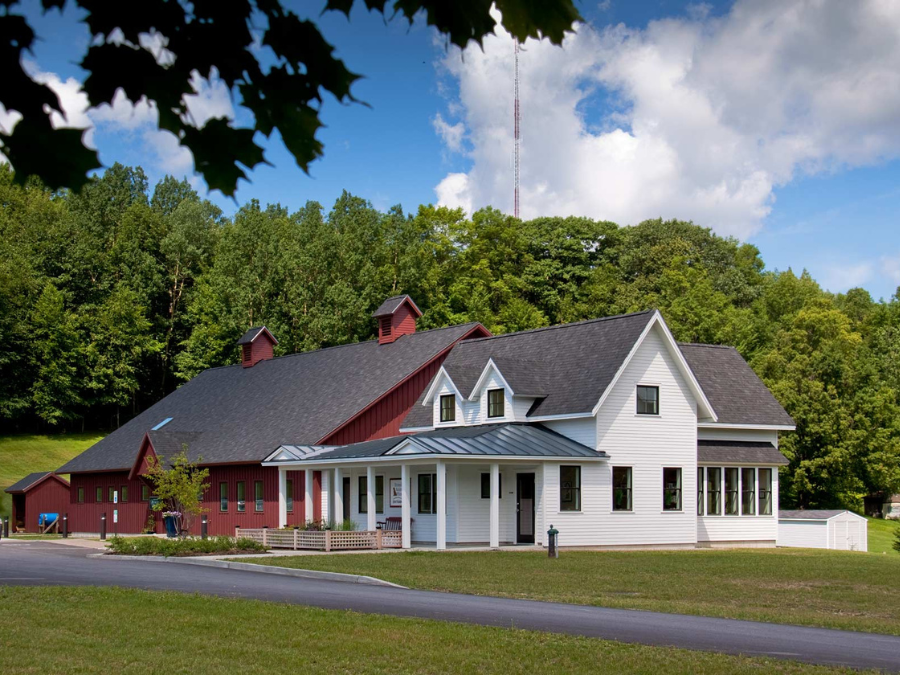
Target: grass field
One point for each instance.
(108, 630)
(24, 454)
(881, 535)
(853, 591)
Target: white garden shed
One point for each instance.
(839, 530)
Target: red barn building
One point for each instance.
(35, 494)
(231, 418)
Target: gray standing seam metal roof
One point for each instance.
(240, 414)
(812, 514)
(486, 440)
(739, 452)
(25, 483)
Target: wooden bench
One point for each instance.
(393, 524)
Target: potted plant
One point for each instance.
(150, 527)
(171, 518)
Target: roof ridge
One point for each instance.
(562, 325)
(704, 344)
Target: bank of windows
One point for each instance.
(363, 498)
(745, 491)
(448, 408)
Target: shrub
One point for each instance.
(897, 539)
(183, 547)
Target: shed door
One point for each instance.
(840, 535)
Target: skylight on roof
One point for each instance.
(162, 424)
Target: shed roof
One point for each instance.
(237, 414)
(32, 480)
(739, 452)
(814, 514)
(486, 440)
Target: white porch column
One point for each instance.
(308, 501)
(404, 508)
(441, 505)
(370, 498)
(282, 496)
(338, 500)
(495, 505)
(327, 495)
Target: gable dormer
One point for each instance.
(257, 344)
(396, 316)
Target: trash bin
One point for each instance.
(171, 527)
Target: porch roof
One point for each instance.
(486, 440)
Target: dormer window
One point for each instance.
(647, 400)
(496, 403)
(448, 408)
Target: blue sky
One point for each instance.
(653, 110)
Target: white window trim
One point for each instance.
(662, 493)
(658, 412)
(612, 469)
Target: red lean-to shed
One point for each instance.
(35, 494)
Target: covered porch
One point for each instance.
(463, 486)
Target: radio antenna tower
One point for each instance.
(516, 133)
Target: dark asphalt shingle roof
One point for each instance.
(811, 514)
(241, 414)
(391, 305)
(486, 440)
(251, 334)
(735, 392)
(581, 360)
(27, 482)
(739, 452)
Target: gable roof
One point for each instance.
(815, 514)
(32, 480)
(485, 440)
(583, 359)
(391, 305)
(254, 333)
(735, 391)
(739, 452)
(239, 414)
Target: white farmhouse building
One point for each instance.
(607, 429)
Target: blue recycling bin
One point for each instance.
(171, 531)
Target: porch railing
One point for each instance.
(325, 540)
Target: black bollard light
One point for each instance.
(65, 526)
(552, 547)
(204, 527)
(103, 527)
(6, 527)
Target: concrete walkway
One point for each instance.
(44, 563)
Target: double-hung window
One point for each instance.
(363, 501)
(731, 491)
(123, 494)
(81, 495)
(570, 488)
(98, 495)
(145, 493)
(700, 491)
(672, 489)
(258, 495)
(496, 403)
(647, 400)
(713, 491)
(748, 492)
(448, 408)
(486, 486)
(223, 496)
(111, 491)
(765, 492)
(289, 500)
(427, 493)
(241, 496)
(621, 478)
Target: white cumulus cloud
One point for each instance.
(697, 118)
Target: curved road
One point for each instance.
(40, 563)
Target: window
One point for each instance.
(748, 492)
(258, 495)
(700, 491)
(647, 400)
(427, 493)
(98, 495)
(241, 496)
(570, 488)
(496, 403)
(111, 491)
(486, 486)
(145, 493)
(621, 482)
(123, 493)
(713, 491)
(672, 489)
(448, 408)
(81, 495)
(289, 500)
(363, 496)
(223, 497)
(731, 492)
(765, 492)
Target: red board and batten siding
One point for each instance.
(85, 517)
(50, 496)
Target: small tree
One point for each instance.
(179, 488)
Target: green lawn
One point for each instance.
(853, 591)
(24, 454)
(109, 630)
(881, 535)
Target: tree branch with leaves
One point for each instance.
(178, 487)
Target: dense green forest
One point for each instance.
(111, 298)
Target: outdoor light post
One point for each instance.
(203, 527)
(65, 526)
(6, 527)
(552, 547)
(103, 526)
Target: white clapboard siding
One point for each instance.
(737, 529)
(727, 434)
(475, 513)
(583, 430)
(803, 533)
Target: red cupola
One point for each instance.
(396, 316)
(256, 345)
